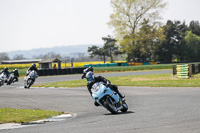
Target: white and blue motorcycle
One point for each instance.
(108, 98)
(30, 79)
(3, 78)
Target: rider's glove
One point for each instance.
(108, 85)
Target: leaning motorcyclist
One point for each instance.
(92, 79)
(31, 68)
(6, 72)
(16, 75)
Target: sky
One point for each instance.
(31, 24)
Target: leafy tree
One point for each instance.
(173, 46)
(195, 27)
(96, 51)
(193, 46)
(126, 20)
(110, 47)
(108, 50)
(149, 39)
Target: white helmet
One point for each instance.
(90, 76)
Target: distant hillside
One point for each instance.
(62, 50)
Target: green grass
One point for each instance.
(68, 84)
(132, 68)
(8, 115)
(156, 80)
(151, 80)
(22, 71)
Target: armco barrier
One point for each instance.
(87, 65)
(103, 65)
(124, 64)
(145, 63)
(107, 65)
(65, 71)
(120, 64)
(112, 64)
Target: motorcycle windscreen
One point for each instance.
(33, 74)
(98, 90)
(96, 87)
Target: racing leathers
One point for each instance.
(31, 69)
(16, 75)
(6, 72)
(104, 80)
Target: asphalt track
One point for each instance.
(151, 110)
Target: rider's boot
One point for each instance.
(121, 95)
(115, 88)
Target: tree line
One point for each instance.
(78, 57)
(175, 41)
(139, 34)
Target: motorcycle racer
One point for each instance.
(33, 67)
(92, 79)
(6, 72)
(16, 75)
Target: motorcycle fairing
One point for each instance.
(99, 90)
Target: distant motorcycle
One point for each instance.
(10, 79)
(3, 79)
(30, 79)
(108, 98)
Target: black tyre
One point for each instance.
(110, 105)
(10, 81)
(29, 83)
(125, 107)
(1, 83)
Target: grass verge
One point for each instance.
(151, 80)
(8, 115)
(132, 68)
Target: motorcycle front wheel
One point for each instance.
(125, 106)
(109, 104)
(1, 83)
(10, 81)
(29, 83)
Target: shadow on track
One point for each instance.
(121, 113)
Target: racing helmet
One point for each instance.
(33, 65)
(6, 69)
(90, 76)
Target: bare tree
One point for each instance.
(4, 56)
(19, 57)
